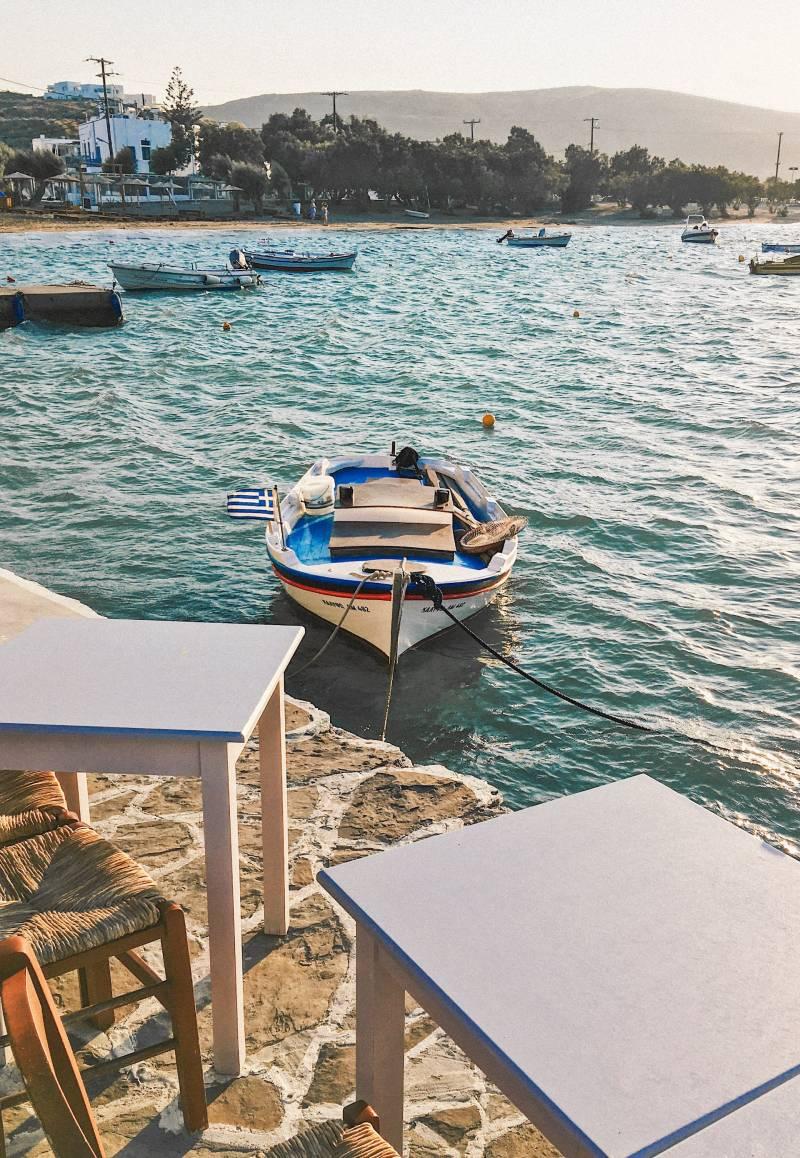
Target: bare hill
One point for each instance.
(670, 124)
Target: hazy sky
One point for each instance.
(233, 48)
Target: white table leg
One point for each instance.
(380, 1042)
(274, 815)
(217, 767)
(76, 793)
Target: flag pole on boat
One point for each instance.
(276, 503)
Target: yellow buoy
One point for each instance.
(741, 257)
(576, 313)
(226, 325)
(488, 421)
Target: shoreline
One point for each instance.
(14, 222)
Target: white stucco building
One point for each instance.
(71, 90)
(65, 147)
(140, 134)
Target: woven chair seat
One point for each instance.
(362, 1142)
(68, 890)
(30, 803)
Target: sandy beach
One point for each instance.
(45, 222)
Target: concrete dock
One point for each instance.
(79, 304)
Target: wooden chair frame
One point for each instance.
(174, 991)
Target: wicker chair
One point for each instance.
(77, 901)
(30, 803)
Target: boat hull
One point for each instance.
(774, 269)
(699, 238)
(301, 264)
(370, 617)
(766, 247)
(558, 241)
(140, 278)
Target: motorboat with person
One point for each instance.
(698, 231)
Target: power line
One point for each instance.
(22, 84)
(594, 122)
(333, 95)
(472, 123)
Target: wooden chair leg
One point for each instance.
(178, 972)
(95, 986)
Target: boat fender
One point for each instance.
(210, 279)
(317, 495)
(116, 305)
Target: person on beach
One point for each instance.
(312, 211)
(324, 212)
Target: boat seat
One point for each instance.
(393, 492)
(378, 532)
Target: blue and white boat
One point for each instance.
(770, 247)
(290, 261)
(353, 526)
(539, 240)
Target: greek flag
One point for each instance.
(251, 504)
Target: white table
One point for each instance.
(621, 962)
(164, 699)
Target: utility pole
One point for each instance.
(472, 123)
(594, 122)
(778, 158)
(103, 74)
(333, 95)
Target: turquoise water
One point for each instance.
(652, 443)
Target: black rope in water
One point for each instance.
(427, 587)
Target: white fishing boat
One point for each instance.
(418, 213)
(698, 231)
(352, 539)
(151, 275)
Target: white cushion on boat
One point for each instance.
(382, 531)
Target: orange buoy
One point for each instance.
(741, 257)
(576, 313)
(226, 326)
(488, 421)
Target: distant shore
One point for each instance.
(44, 222)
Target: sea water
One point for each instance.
(652, 443)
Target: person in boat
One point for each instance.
(541, 232)
(508, 233)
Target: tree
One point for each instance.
(280, 184)
(183, 114)
(231, 140)
(165, 161)
(123, 161)
(39, 165)
(5, 153)
(748, 190)
(252, 180)
(585, 172)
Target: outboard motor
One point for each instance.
(238, 260)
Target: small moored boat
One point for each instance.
(293, 262)
(540, 240)
(151, 275)
(417, 213)
(357, 529)
(789, 267)
(774, 247)
(698, 230)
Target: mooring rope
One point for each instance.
(335, 631)
(427, 586)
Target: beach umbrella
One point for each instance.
(18, 177)
(232, 189)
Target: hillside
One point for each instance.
(23, 117)
(670, 124)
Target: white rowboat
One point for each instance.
(150, 275)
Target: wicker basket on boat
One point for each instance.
(490, 536)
